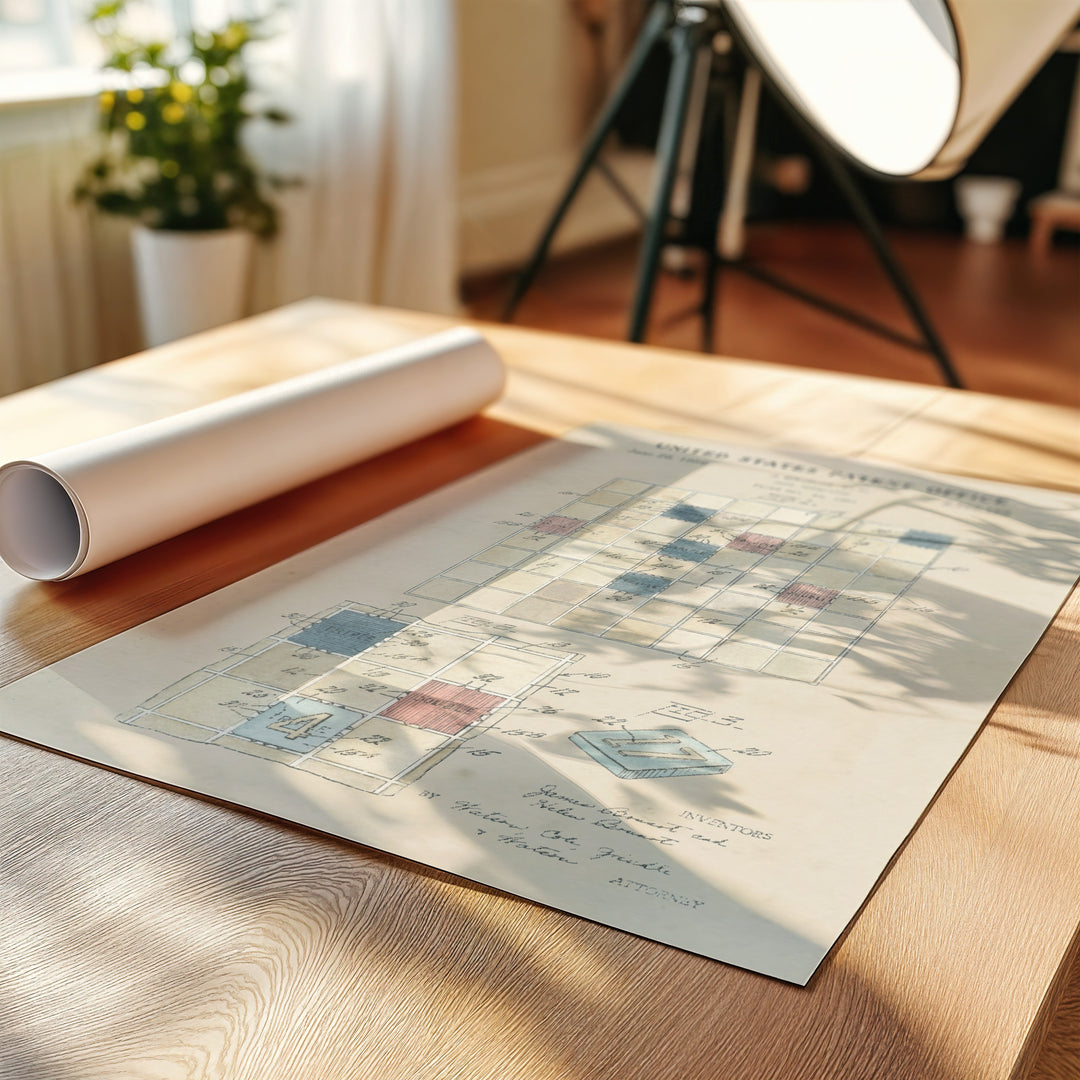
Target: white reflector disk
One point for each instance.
(880, 78)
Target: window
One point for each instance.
(48, 51)
(36, 34)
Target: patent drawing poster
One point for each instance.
(695, 692)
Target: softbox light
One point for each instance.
(906, 88)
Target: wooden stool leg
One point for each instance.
(1042, 232)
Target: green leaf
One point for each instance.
(208, 180)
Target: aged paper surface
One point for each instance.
(692, 691)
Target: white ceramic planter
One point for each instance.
(189, 281)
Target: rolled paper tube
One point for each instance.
(72, 510)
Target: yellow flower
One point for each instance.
(181, 92)
(169, 169)
(233, 36)
(106, 100)
(135, 96)
(135, 121)
(172, 113)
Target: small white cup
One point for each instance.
(986, 203)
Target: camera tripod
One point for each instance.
(690, 27)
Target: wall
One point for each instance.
(528, 89)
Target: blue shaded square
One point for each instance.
(639, 584)
(918, 538)
(686, 512)
(347, 633)
(298, 724)
(689, 550)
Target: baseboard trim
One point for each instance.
(503, 209)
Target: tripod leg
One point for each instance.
(731, 233)
(869, 223)
(682, 195)
(709, 301)
(685, 41)
(739, 131)
(652, 31)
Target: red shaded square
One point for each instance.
(758, 543)
(808, 595)
(443, 707)
(558, 525)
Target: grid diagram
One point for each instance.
(364, 696)
(745, 583)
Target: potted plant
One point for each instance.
(172, 158)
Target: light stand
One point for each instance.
(690, 27)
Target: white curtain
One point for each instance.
(372, 88)
(49, 324)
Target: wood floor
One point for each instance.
(1010, 320)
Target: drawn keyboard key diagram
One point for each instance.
(744, 583)
(666, 752)
(367, 697)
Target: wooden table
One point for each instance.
(150, 934)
